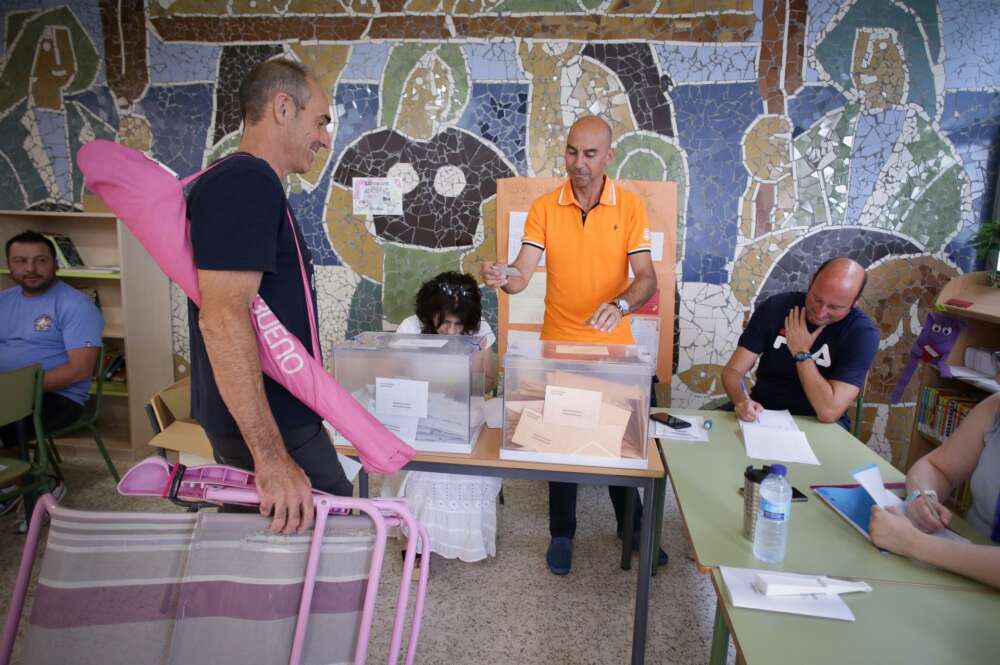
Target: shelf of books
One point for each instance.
(943, 402)
(98, 256)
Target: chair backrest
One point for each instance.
(99, 385)
(859, 408)
(21, 390)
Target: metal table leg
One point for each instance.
(720, 637)
(627, 530)
(643, 583)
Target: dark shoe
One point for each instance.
(560, 556)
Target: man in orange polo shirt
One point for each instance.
(592, 231)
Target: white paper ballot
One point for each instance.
(742, 593)
(870, 477)
(405, 427)
(776, 419)
(400, 397)
(409, 343)
(696, 432)
(494, 413)
(777, 445)
(515, 234)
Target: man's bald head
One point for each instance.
(592, 127)
(588, 154)
(834, 289)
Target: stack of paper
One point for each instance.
(571, 422)
(743, 593)
(775, 437)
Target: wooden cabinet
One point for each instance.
(134, 297)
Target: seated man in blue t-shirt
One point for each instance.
(815, 349)
(44, 321)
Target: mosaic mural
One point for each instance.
(796, 129)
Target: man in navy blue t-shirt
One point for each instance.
(246, 242)
(815, 349)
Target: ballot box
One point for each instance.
(426, 389)
(576, 403)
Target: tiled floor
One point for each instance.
(509, 609)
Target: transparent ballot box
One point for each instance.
(575, 403)
(426, 389)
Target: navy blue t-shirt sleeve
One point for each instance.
(856, 355)
(762, 326)
(235, 221)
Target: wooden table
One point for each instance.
(485, 460)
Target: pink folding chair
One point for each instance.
(206, 587)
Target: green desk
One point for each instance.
(895, 623)
(706, 478)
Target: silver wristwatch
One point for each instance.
(622, 305)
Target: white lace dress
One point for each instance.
(459, 512)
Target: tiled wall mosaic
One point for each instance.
(797, 130)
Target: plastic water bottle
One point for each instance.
(771, 530)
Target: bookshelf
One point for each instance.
(970, 298)
(134, 297)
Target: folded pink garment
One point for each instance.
(150, 201)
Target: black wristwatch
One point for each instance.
(802, 355)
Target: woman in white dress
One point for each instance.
(460, 512)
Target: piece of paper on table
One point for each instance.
(494, 412)
(377, 196)
(400, 397)
(775, 419)
(572, 407)
(777, 445)
(696, 432)
(350, 466)
(413, 343)
(515, 234)
(870, 477)
(742, 593)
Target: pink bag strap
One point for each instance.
(305, 285)
(298, 250)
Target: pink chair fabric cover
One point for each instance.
(150, 201)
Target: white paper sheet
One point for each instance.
(656, 244)
(400, 397)
(377, 196)
(494, 413)
(870, 477)
(742, 593)
(777, 445)
(528, 306)
(695, 433)
(515, 234)
(776, 419)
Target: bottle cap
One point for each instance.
(779, 470)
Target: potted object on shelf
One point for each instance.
(987, 244)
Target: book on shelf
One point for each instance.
(940, 412)
(114, 366)
(66, 254)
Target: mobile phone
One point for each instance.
(669, 420)
(797, 496)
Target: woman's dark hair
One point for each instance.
(449, 293)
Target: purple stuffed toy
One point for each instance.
(934, 343)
